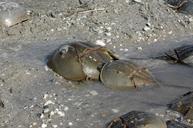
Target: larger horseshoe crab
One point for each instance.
(123, 74)
(181, 55)
(137, 119)
(184, 105)
(79, 60)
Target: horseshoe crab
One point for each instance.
(122, 74)
(137, 119)
(12, 13)
(182, 55)
(79, 60)
(184, 6)
(176, 124)
(184, 105)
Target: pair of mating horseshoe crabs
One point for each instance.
(79, 61)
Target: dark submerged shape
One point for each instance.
(79, 60)
(177, 55)
(175, 124)
(184, 105)
(123, 74)
(137, 119)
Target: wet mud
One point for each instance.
(32, 95)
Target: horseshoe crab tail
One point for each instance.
(113, 55)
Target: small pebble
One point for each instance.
(189, 120)
(70, 123)
(52, 113)
(93, 92)
(190, 19)
(34, 123)
(54, 126)
(108, 40)
(100, 42)
(139, 48)
(121, 49)
(108, 34)
(49, 102)
(60, 113)
(155, 40)
(27, 73)
(29, 12)
(126, 50)
(45, 96)
(35, 98)
(46, 110)
(115, 110)
(109, 28)
(44, 125)
(46, 68)
(66, 108)
(127, 1)
(42, 116)
(146, 28)
(138, 1)
(170, 32)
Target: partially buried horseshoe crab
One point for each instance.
(12, 13)
(184, 105)
(79, 60)
(137, 119)
(181, 55)
(124, 74)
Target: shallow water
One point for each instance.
(90, 104)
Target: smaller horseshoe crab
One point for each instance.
(176, 124)
(122, 74)
(137, 119)
(79, 60)
(184, 105)
(12, 13)
(181, 55)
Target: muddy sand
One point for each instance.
(35, 97)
